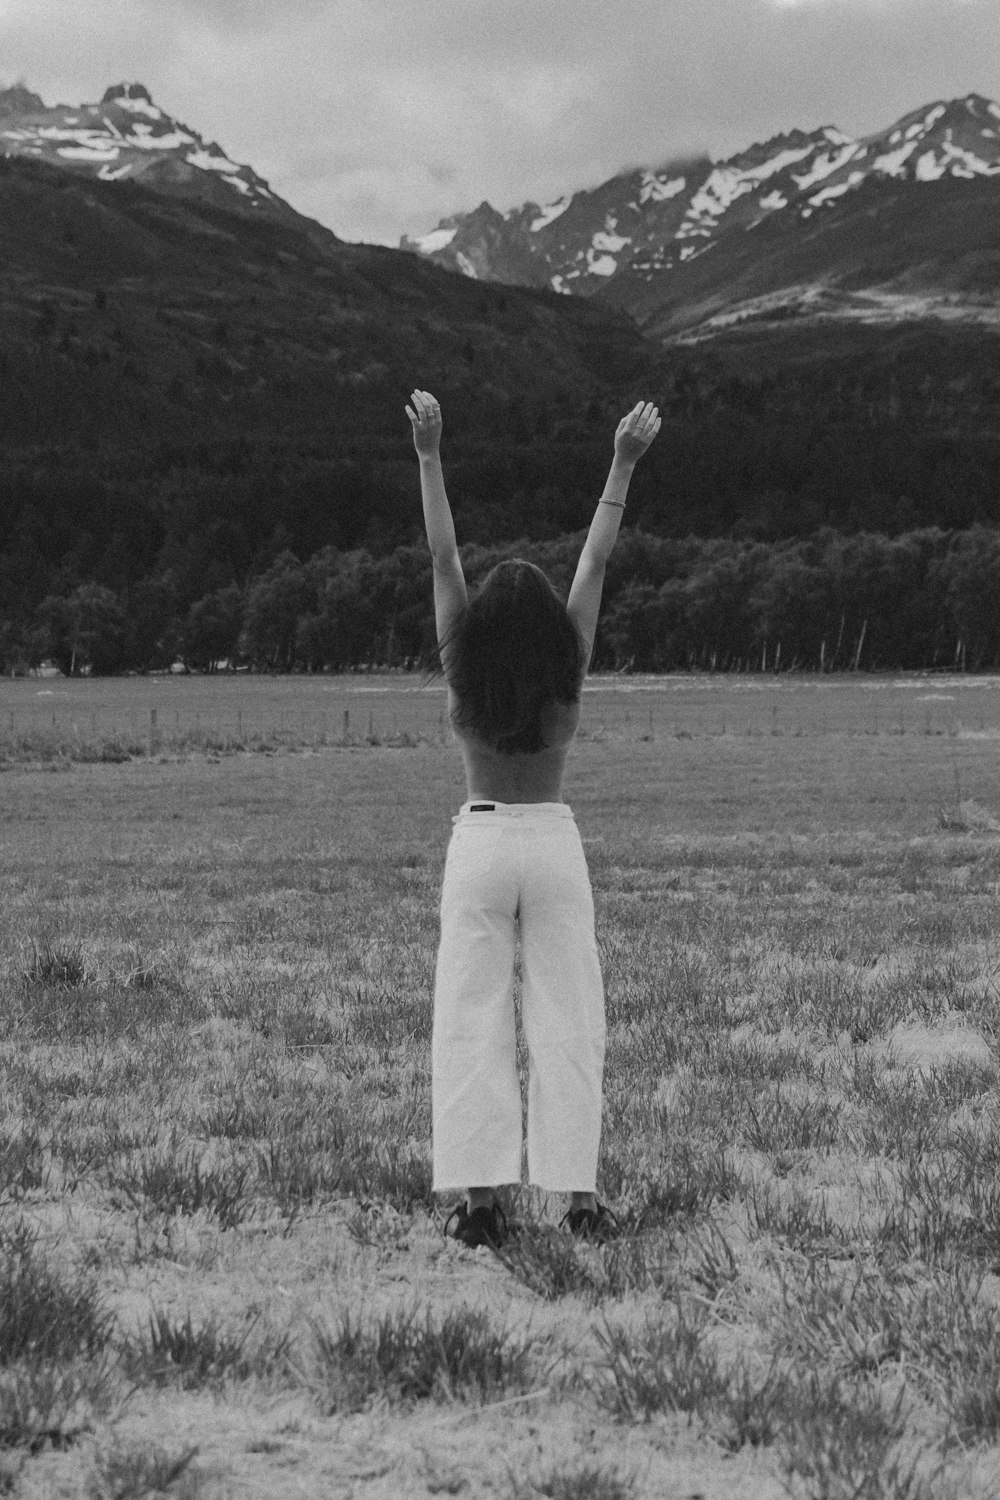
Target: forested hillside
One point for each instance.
(192, 400)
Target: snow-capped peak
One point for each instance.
(127, 135)
(646, 222)
(956, 138)
(134, 98)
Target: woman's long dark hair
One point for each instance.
(514, 651)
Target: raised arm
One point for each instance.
(633, 436)
(450, 595)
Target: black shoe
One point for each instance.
(482, 1226)
(598, 1224)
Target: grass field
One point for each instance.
(221, 1267)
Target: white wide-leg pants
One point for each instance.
(517, 866)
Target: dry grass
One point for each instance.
(215, 1206)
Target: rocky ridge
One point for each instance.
(128, 138)
(641, 226)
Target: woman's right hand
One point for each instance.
(636, 431)
(425, 419)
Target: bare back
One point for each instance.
(492, 776)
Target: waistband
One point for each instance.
(482, 811)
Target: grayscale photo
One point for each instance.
(500, 749)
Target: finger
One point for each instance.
(411, 414)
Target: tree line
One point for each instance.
(926, 598)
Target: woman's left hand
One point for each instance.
(636, 431)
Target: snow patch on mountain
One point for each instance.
(139, 105)
(826, 163)
(932, 118)
(837, 189)
(124, 135)
(211, 161)
(655, 190)
(88, 153)
(437, 239)
(732, 180)
(967, 160)
(778, 163)
(605, 240)
(550, 214)
(891, 162)
(722, 187)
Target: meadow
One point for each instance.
(222, 1271)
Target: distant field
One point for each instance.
(221, 1267)
(80, 717)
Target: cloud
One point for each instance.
(862, 5)
(380, 118)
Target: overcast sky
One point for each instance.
(379, 117)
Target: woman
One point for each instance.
(514, 659)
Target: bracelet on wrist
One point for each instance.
(618, 504)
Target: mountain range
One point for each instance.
(897, 225)
(195, 376)
(128, 138)
(197, 379)
(812, 227)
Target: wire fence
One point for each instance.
(116, 734)
(94, 721)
